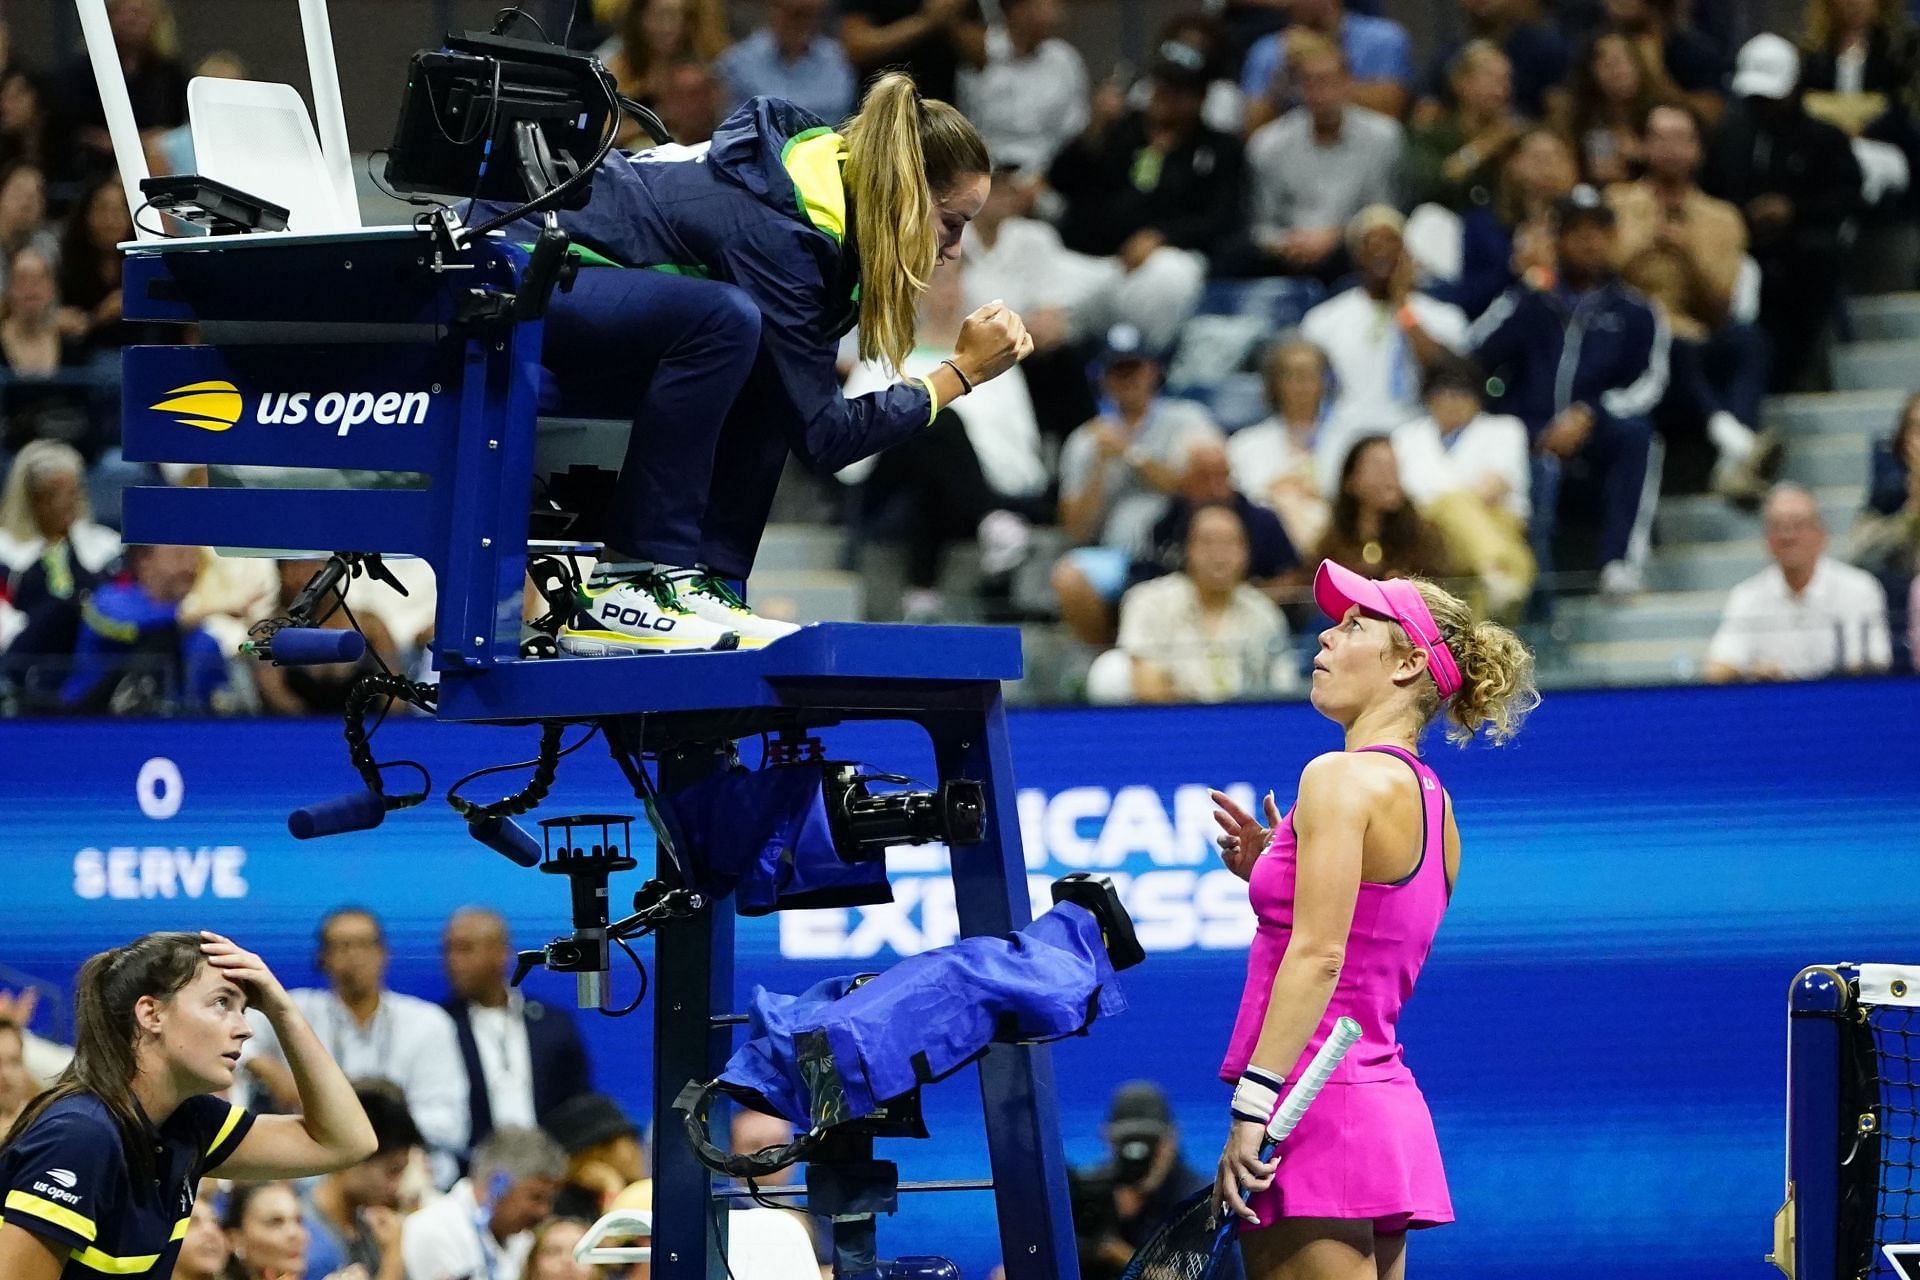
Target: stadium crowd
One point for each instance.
(1296, 294)
(495, 1151)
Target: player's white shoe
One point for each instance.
(640, 614)
(709, 597)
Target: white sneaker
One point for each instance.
(708, 597)
(641, 614)
(1619, 579)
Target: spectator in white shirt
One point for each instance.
(375, 1033)
(1273, 460)
(1806, 616)
(45, 503)
(1203, 634)
(1379, 337)
(1469, 473)
(1031, 97)
(1066, 296)
(1115, 473)
(484, 1225)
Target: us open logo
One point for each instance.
(219, 406)
(65, 1177)
(210, 406)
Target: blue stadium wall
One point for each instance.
(1600, 1031)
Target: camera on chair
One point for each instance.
(865, 824)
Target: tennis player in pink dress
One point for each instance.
(1349, 888)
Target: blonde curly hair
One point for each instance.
(1496, 692)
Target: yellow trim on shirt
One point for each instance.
(235, 1111)
(57, 1214)
(180, 1230)
(933, 398)
(95, 1260)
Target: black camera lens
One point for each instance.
(1131, 1160)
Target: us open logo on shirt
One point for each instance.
(220, 405)
(63, 1193)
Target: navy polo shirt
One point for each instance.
(67, 1180)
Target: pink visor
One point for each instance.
(1336, 590)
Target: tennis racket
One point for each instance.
(1194, 1242)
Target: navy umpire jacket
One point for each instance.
(762, 207)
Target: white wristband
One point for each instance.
(1257, 1096)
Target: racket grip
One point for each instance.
(1307, 1088)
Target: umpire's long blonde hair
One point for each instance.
(903, 153)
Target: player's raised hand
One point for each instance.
(1242, 838)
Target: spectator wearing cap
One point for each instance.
(353, 1216)
(1145, 1168)
(523, 1055)
(484, 1225)
(1225, 106)
(604, 1154)
(1582, 361)
(1379, 336)
(1138, 181)
(1469, 474)
(1115, 471)
(792, 57)
(1685, 251)
(1376, 52)
(1806, 615)
(1031, 97)
(1313, 169)
(1795, 180)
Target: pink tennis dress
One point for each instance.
(1366, 1148)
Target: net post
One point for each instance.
(1807, 1244)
